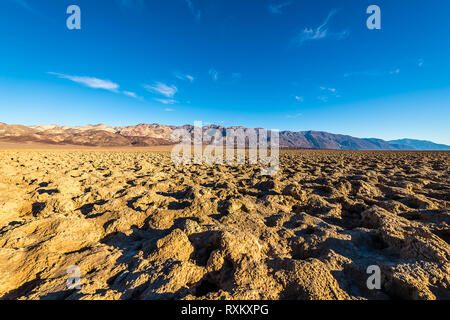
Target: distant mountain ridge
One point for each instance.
(420, 144)
(157, 134)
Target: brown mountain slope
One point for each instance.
(157, 134)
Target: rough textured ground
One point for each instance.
(140, 228)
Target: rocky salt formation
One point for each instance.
(139, 227)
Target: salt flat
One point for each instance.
(139, 227)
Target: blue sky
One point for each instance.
(288, 65)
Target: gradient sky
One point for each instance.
(279, 64)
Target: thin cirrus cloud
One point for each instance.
(327, 93)
(321, 32)
(94, 83)
(186, 77)
(214, 74)
(299, 99)
(276, 8)
(162, 88)
(195, 12)
(332, 90)
(386, 72)
(131, 94)
(90, 82)
(166, 101)
(225, 78)
(396, 71)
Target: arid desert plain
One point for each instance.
(139, 227)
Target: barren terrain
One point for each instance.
(139, 227)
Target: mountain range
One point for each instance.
(420, 144)
(156, 134)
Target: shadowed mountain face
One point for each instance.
(157, 135)
(325, 140)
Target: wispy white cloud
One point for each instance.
(225, 78)
(166, 101)
(196, 13)
(332, 90)
(95, 83)
(299, 99)
(169, 110)
(395, 71)
(321, 32)
(214, 74)
(276, 8)
(90, 82)
(327, 93)
(420, 63)
(161, 88)
(182, 76)
(130, 94)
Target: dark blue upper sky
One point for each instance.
(279, 64)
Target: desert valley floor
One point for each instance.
(139, 227)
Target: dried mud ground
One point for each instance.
(139, 227)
